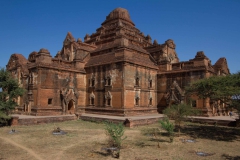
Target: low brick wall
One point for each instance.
(141, 122)
(40, 120)
(212, 121)
(127, 122)
(100, 119)
(121, 112)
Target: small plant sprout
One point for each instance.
(115, 132)
(169, 127)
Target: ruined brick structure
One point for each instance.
(116, 71)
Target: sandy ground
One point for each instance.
(86, 140)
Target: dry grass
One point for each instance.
(85, 140)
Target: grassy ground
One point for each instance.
(85, 140)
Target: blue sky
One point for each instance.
(212, 26)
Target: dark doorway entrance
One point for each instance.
(71, 107)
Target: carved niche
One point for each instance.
(69, 96)
(174, 95)
(108, 99)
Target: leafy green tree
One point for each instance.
(169, 127)
(9, 91)
(225, 89)
(179, 113)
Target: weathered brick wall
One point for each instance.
(100, 88)
(143, 91)
(81, 87)
(16, 121)
(48, 84)
(129, 98)
(117, 99)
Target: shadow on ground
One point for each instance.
(212, 132)
(228, 157)
(102, 153)
(158, 140)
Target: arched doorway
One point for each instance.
(71, 107)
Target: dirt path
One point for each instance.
(22, 147)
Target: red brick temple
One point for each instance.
(117, 70)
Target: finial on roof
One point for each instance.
(155, 42)
(148, 37)
(200, 54)
(43, 50)
(69, 34)
(119, 13)
(87, 37)
(79, 40)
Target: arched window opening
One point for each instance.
(71, 105)
(50, 100)
(108, 99)
(137, 81)
(93, 83)
(150, 101)
(109, 81)
(150, 83)
(109, 102)
(91, 101)
(137, 101)
(194, 103)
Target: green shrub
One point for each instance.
(179, 113)
(169, 127)
(115, 133)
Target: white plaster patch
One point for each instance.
(35, 76)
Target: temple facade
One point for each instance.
(115, 71)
